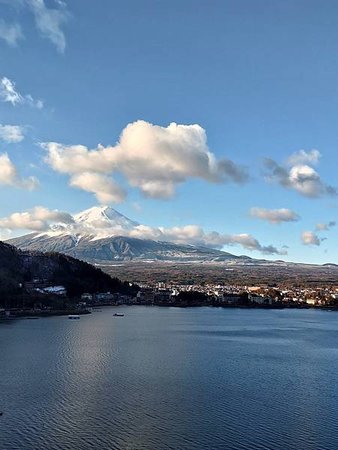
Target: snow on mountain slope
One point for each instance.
(120, 248)
(100, 217)
(94, 223)
(102, 234)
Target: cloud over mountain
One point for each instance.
(39, 219)
(195, 235)
(105, 188)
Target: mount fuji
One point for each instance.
(101, 235)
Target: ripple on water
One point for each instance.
(163, 378)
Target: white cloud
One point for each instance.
(38, 219)
(300, 177)
(303, 157)
(10, 177)
(310, 238)
(11, 133)
(152, 158)
(274, 216)
(8, 93)
(11, 33)
(193, 234)
(50, 21)
(104, 188)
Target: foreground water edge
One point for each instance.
(160, 378)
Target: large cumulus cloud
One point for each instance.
(151, 158)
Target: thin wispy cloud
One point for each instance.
(11, 133)
(11, 33)
(49, 21)
(303, 157)
(9, 94)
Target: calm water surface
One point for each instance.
(167, 378)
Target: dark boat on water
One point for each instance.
(118, 315)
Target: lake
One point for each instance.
(170, 378)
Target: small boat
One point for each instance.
(74, 316)
(1, 413)
(118, 315)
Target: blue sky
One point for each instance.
(259, 77)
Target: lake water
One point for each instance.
(169, 378)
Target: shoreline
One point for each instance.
(37, 314)
(41, 314)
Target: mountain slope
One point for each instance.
(101, 235)
(19, 267)
(119, 248)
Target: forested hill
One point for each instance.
(19, 267)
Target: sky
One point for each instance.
(212, 122)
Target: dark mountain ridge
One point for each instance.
(19, 267)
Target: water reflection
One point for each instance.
(168, 378)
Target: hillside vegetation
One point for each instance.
(20, 267)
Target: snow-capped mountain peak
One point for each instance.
(100, 217)
(94, 223)
(103, 235)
